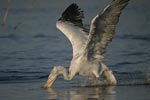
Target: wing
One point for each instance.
(102, 29)
(71, 25)
(73, 14)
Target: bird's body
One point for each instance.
(79, 64)
(88, 46)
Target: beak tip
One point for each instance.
(49, 82)
(47, 85)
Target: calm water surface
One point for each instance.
(30, 45)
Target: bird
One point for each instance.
(89, 45)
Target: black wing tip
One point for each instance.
(73, 14)
(73, 9)
(120, 1)
(74, 5)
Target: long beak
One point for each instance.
(50, 81)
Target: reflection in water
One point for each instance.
(82, 93)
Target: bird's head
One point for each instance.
(57, 70)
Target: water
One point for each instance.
(26, 91)
(30, 44)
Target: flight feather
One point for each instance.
(102, 29)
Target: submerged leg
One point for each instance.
(109, 77)
(104, 77)
(107, 74)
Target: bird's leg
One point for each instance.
(89, 80)
(106, 79)
(107, 76)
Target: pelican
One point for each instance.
(90, 45)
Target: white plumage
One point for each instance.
(88, 46)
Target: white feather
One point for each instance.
(75, 34)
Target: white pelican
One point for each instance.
(88, 46)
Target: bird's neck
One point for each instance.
(63, 72)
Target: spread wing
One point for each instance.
(70, 24)
(102, 29)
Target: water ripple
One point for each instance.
(9, 36)
(14, 75)
(3, 58)
(127, 63)
(135, 54)
(136, 37)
